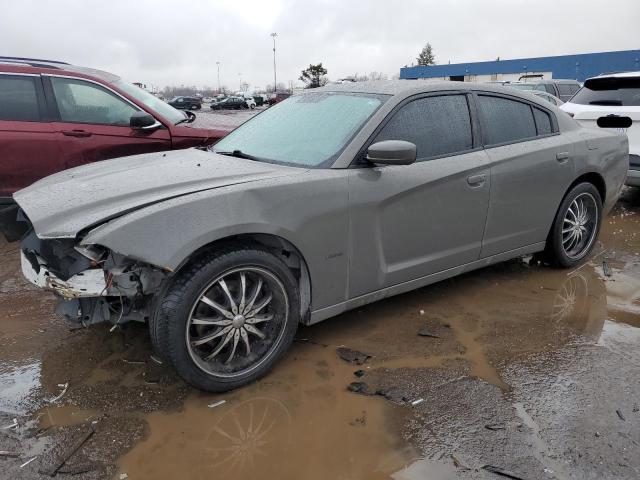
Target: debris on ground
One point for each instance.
(494, 427)
(156, 360)
(426, 332)
(5, 453)
(392, 393)
(501, 472)
(359, 387)
(620, 415)
(359, 373)
(417, 402)
(27, 462)
(458, 464)
(216, 404)
(12, 425)
(352, 356)
(605, 268)
(64, 387)
(361, 420)
(62, 458)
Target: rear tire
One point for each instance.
(217, 337)
(576, 226)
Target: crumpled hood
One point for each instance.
(63, 204)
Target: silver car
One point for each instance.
(325, 202)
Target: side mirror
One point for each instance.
(392, 152)
(614, 121)
(142, 120)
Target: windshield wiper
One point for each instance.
(239, 154)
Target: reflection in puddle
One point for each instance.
(300, 422)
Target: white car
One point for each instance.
(251, 103)
(612, 94)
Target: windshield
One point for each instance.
(151, 101)
(308, 130)
(614, 91)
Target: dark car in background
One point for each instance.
(186, 103)
(55, 116)
(229, 103)
(562, 89)
(278, 97)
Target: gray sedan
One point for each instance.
(328, 201)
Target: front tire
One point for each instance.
(575, 227)
(228, 317)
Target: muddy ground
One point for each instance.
(521, 369)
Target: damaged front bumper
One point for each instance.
(91, 287)
(90, 283)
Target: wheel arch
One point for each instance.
(594, 179)
(275, 244)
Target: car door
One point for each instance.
(411, 221)
(28, 148)
(531, 168)
(92, 123)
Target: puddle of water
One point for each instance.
(63, 416)
(299, 422)
(17, 383)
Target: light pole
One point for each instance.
(240, 80)
(218, 64)
(275, 85)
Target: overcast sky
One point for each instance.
(178, 42)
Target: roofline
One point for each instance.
(27, 60)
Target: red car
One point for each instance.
(55, 116)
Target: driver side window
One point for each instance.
(84, 102)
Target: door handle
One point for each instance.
(562, 156)
(477, 180)
(76, 133)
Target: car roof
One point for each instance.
(618, 75)
(35, 65)
(409, 87)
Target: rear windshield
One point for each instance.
(609, 91)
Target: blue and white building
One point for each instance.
(578, 67)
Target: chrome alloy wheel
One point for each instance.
(579, 225)
(237, 321)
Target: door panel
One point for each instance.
(528, 182)
(28, 152)
(415, 220)
(85, 143)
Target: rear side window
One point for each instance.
(567, 88)
(549, 88)
(18, 99)
(505, 120)
(84, 102)
(436, 125)
(613, 91)
(543, 121)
